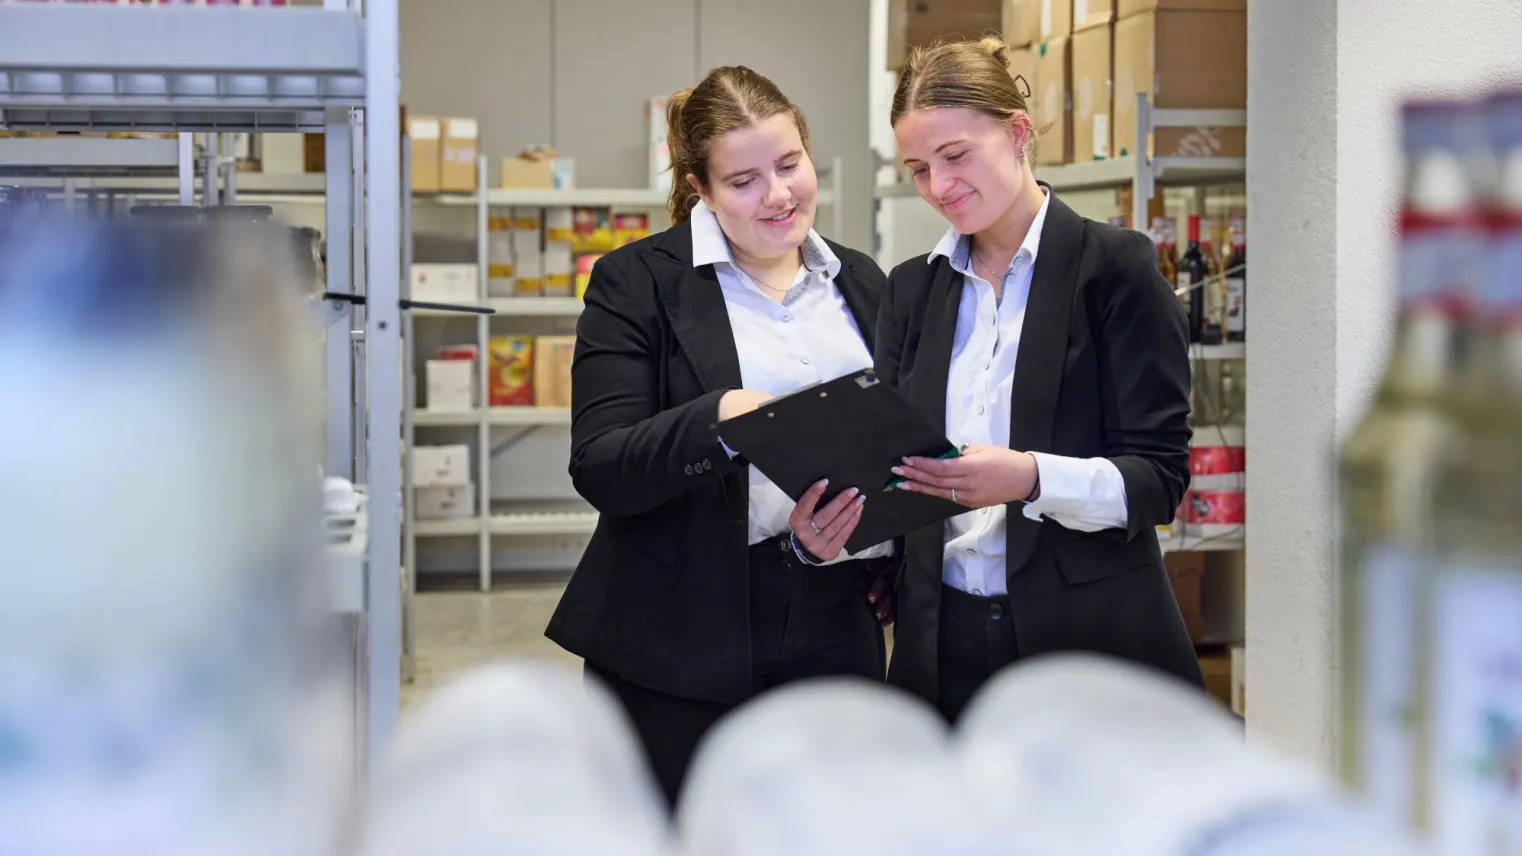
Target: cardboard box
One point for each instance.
(559, 224)
(1217, 671)
(441, 466)
(1092, 13)
(1091, 94)
(1021, 20)
(445, 283)
(1128, 8)
(552, 370)
(451, 385)
(427, 135)
(511, 363)
(527, 174)
(559, 269)
(528, 252)
(1022, 64)
(1186, 573)
(501, 281)
(1052, 106)
(1056, 20)
(1182, 59)
(443, 503)
(458, 170)
(1239, 680)
(917, 23)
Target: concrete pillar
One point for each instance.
(1325, 80)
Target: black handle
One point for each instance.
(359, 300)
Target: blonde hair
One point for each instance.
(971, 75)
(729, 98)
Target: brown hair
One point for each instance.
(729, 98)
(973, 75)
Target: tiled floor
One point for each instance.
(458, 630)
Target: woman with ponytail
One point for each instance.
(1055, 353)
(704, 584)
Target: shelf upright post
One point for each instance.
(229, 168)
(362, 282)
(1142, 181)
(187, 169)
(483, 386)
(409, 407)
(382, 340)
(339, 356)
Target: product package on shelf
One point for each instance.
(444, 502)
(538, 168)
(584, 264)
(511, 362)
(451, 384)
(591, 230)
(456, 352)
(1092, 13)
(528, 255)
(458, 170)
(552, 370)
(925, 22)
(629, 227)
(501, 281)
(1050, 100)
(1184, 55)
(559, 268)
(441, 466)
(1055, 19)
(445, 283)
(1092, 71)
(427, 153)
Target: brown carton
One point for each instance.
(1183, 59)
(427, 153)
(1022, 22)
(1056, 19)
(1022, 64)
(1091, 94)
(552, 370)
(1092, 13)
(920, 23)
(532, 169)
(1053, 109)
(1127, 8)
(458, 162)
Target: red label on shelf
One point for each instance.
(457, 352)
(1214, 506)
(1217, 460)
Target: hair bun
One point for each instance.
(995, 47)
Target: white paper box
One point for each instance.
(440, 503)
(451, 385)
(441, 283)
(441, 466)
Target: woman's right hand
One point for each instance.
(738, 402)
(824, 532)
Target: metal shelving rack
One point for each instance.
(486, 526)
(221, 70)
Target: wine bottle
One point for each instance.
(1387, 466)
(1214, 290)
(1236, 282)
(1471, 675)
(1191, 275)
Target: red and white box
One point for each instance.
(1213, 506)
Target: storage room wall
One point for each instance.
(1324, 176)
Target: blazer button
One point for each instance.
(687, 469)
(707, 465)
(995, 611)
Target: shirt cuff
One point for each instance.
(876, 551)
(728, 451)
(1087, 494)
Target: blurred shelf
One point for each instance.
(300, 186)
(85, 156)
(494, 415)
(75, 66)
(519, 523)
(1117, 172)
(1205, 537)
(1228, 351)
(612, 197)
(518, 307)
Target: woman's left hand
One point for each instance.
(980, 477)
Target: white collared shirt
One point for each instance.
(809, 337)
(1086, 494)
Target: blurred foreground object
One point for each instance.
(518, 759)
(834, 766)
(1084, 755)
(168, 678)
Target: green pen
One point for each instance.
(950, 453)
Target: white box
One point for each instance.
(500, 281)
(441, 466)
(559, 269)
(660, 167)
(451, 384)
(443, 503)
(655, 120)
(441, 283)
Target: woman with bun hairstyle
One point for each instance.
(703, 583)
(1055, 354)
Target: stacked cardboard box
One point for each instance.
(1185, 54)
(442, 482)
(1093, 33)
(443, 154)
(919, 23)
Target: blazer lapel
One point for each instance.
(694, 303)
(932, 364)
(1039, 366)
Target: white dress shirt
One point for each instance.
(808, 337)
(1086, 494)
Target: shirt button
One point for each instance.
(786, 317)
(987, 366)
(805, 360)
(981, 409)
(971, 552)
(978, 592)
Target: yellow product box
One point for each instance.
(584, 263)
(510, 360)
(592, 230)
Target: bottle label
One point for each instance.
(1475, 704)
(1386, 666)
(1236, 304)
(1182, 286)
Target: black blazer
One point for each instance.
(1102, 371)
(660, 597)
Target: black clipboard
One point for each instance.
(852, 430)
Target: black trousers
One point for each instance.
(977, 639)
(805, 622)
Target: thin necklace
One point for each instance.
(998, 292)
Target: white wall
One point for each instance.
(1325, 78)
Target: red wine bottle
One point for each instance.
(1236, 282)
(1193, 271)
